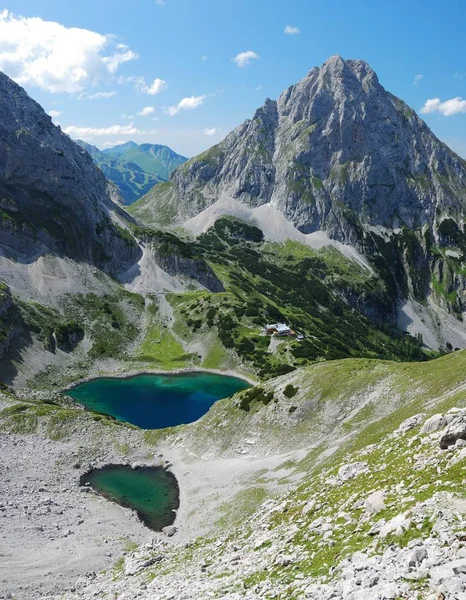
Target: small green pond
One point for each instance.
(151, 491)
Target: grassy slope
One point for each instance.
(157, 160)
(159, 207)
(345, 404)
(269, 282)
(371, 399)
(264, 282)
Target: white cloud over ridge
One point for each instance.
(210, 131)
(110, 144)
(454, 106)
(55, 58)
(188, 103)
(418, 78)
(54, 113)
(290, 30)
(244, 58)
(90, 132)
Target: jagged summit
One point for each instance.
(335, 147)
(336, 155)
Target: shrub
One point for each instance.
(290, 391)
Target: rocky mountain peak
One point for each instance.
(333, 145)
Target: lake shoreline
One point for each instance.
(136, 372)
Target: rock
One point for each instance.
(137, 563)
(396, 525)
(375, 502)
(455, 431)
(308, 507)
(460, 569)
(417, 556)
(434, 423)
(352, 470)
(409, 424)
(170, 531)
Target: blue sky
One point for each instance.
(99, 63)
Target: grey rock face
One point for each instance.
(337, 152)
(456, 430)
(434, 423)
(10, 319)
(52, 198)
(335, 142)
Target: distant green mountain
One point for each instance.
(151, 158)
(134, 169)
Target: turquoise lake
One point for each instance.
(151, 491)
(157, 401)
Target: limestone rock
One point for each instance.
(455, 431)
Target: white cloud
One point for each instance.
(244, 58)
(205, 57)
(290, 30)
(146, 111)
(418, 78)
(259, 87)
(211, 131)
(110, 144)
(55, 58)
(96, 95)
(54, 113)
(157, 86)
(129, 117)
(454, 106)
(160, 2)
(154, 88)
(90, 132)
(188, 103)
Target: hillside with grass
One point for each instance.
(344, 477)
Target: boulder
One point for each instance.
(351, 470)
(455, 431)
(375, 502)
(418, 555)
(434, 423)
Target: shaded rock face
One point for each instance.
(333, 149)
(177, 259)
(11, 323)
(52, 197)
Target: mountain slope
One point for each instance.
(155, 159)
(132, 181)
(334, 143)
(338, 154)
(53, 200)
(339, 487)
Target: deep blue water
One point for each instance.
(157, 401)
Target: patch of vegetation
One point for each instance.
(290, 391)
(108, 320)
(255, 394)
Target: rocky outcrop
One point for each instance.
(10, 319)
(53, 200)
(334, 151)
(338, 153)
(178, 258)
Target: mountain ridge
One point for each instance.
(337, 154)
(134, 169)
